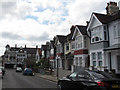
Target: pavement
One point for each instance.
(48, 77)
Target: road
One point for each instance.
(13, 79)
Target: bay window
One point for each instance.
(79, 42)
(73, 45)
(96, 34)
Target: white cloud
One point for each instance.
(43, 19)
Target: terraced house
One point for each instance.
(81, 43)
(104, 32)
(69, 49)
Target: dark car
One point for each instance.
(89, 80)
(28, 71)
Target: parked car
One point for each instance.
(1, 76)
(3, 70)
(89, 80)
(28, 71)
(18, 69)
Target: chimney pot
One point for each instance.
(25, 46)
(36, 46)
(112, 8)
(15, 45)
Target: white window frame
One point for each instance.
(93, 56)
(73, 45)
(79, 42)
(99, 59)
(97, 33)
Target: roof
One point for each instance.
(113, 47)
(62, 38)
(52, 43)
(82, 29)
(7, 45)
(45, 47)
(104, 18)
(28, 50)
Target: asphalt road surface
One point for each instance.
(16, 80)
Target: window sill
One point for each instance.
(99, 41)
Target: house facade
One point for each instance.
(45, 51)
(52, 54)
(104, 31)
(14, 56)
(81, 42)
(59, 44)
(69, 49)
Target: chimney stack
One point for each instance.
(72, 28)
(36, 46)
(15, 45)
(25, 46)
(87, 22)
(112, 8)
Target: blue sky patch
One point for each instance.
(46, 22)
(40, 9)
(63, 19)
(32, 17)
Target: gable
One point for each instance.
(57, 41)
(76, 33)
(94, 22)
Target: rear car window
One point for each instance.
(97, 75)
(83, 75)
(107, 75)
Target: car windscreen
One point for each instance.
(29, 70)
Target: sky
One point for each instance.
(35, 22)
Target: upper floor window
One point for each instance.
(115, 31)
(59, 48)
(96, 34)
(85, 41)
(79, 42)
(73, 45)
(67, 46)
(52, 51)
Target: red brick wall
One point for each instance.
(83, 51)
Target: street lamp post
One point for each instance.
(57, 70)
